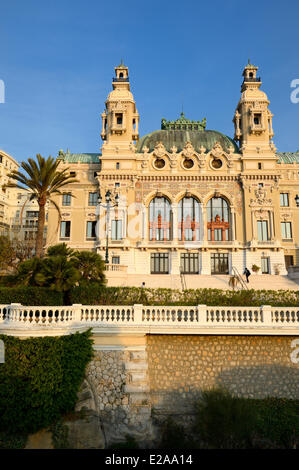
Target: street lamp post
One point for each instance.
(110, 202)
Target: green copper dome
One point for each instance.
(178, 138)
(177, 133)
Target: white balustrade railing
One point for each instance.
(17, 315)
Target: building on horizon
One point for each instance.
(191, 200)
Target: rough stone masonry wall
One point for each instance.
(118, 380)
(179, 367)
(135, 388)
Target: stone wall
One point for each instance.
(119, 382)
(137, 387)
(250, 366)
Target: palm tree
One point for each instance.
(43, 180)
(90, 265)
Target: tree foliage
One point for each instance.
(40, 379)
(61, 269)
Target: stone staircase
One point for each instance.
(173, 281)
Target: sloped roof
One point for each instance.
(79, 157)
(288, 158)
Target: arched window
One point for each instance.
(188, 219)
(218, 216)
(160, 219)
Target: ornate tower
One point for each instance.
(253, 119)
(120, 118)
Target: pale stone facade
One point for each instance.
(18, 215)
(191, 200)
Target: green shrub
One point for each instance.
(40, 379)
(129, 443)
(30, 296)
(92, 294)
(226, 422)
(173, 436)
(278, 421)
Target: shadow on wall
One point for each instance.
(249, 382)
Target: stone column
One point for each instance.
(233, 235)
(204, 223)
(174, 208)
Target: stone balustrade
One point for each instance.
(201, 319)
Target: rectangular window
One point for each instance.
(31, 214)
(257, 119)
(115, 260)
(284, 200)
(119, 119)
(262, 230)
(66, 199)
(259, 165)
(217, 234)
(93, 199)
(91, 229)
(116, 230)
(117, 165)
(219, 263)
(159, 263)
(65, 229)
(189, 263)
(286, 230)
(265, 264)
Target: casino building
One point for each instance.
(183, 199)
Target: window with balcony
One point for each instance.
(160, 219)
(91, 229)
(188, 219)
(65, 229)
(286, 230)
(159, 263)
(262, 230)
(218, 216)
(66, 199)
(93, 199)
(32, 214)
(284, 199)
(116, 230)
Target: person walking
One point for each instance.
(247, 274)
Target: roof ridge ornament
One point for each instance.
(183, 123)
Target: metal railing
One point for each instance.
(239, 277)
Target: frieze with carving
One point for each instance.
(261, 198)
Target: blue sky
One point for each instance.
(57, 60)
